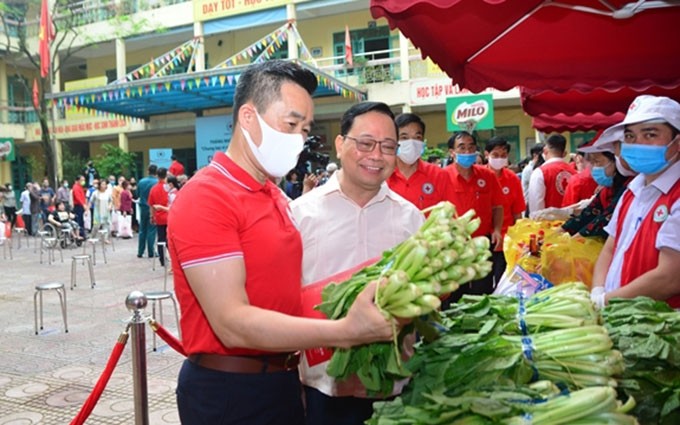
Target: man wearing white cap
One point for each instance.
(642, 253)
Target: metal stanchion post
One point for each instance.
(136, 303)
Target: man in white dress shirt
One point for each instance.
(352, 218)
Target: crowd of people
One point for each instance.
(245, 234)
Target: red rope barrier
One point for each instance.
(92, 400)
(167, 337)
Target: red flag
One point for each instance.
(348, 48)
(45, 37)
(36, 94)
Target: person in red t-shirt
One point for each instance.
(79, 202)
(497, 150)
(473, 186)
(237, 264)
(421, 183)
(176, 168)
(158, 203)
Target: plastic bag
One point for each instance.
(561, 257)
(516, 242)
(569, 259)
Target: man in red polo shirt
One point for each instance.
(549, 181)
(421, 183)
(176, 168)
(158, 204)
(238, 268)
(497, 150)
(472, 186)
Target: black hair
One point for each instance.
(261, 83)
(172, 180)
(162, 173)
(556, 143)
(402, 120)
(537, 149)
(173, 157)
(362, 108)
(153, 169)
(459, 135)
(496, 142)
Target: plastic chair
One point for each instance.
(39, 289)
(74, 262)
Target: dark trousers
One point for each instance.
(28, 223)
(326, 410)
(210, 397)
(147, 233)
(161, 231)
(79, 210)
(499, 266)
(11, 213)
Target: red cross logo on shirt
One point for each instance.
(661, 214)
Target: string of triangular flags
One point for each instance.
(164, 63)
(275, 38)
(306, 54)
(78, 102)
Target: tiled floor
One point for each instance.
(45, 378)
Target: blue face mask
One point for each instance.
(466, 160)
(600, 176)
(645, 159)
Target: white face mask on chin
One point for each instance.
(278, 152)
(410, 150)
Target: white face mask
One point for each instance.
(498, 163)
(410, 150)
(278, 152)
(623, 170)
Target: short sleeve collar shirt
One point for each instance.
(223, 214)
(424, 188)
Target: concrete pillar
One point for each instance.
(403, 58)
(121, 67)
(199, 58)
(120, 59)
(291, 15)
(4, 93)
(123, 142)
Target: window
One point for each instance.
(364, 42)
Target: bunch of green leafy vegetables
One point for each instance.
(647, 332)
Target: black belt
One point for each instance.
(247, 364)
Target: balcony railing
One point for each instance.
(21, 113)
(86, 12)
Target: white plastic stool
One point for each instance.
(74, 262)
(39, 289)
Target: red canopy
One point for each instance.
(543, 44)
(577, 122)
(576, 110)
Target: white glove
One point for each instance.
(551, 213)
(597, 297)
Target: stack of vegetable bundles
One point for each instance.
(647, 333)
(536, 360)
(413, 276)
